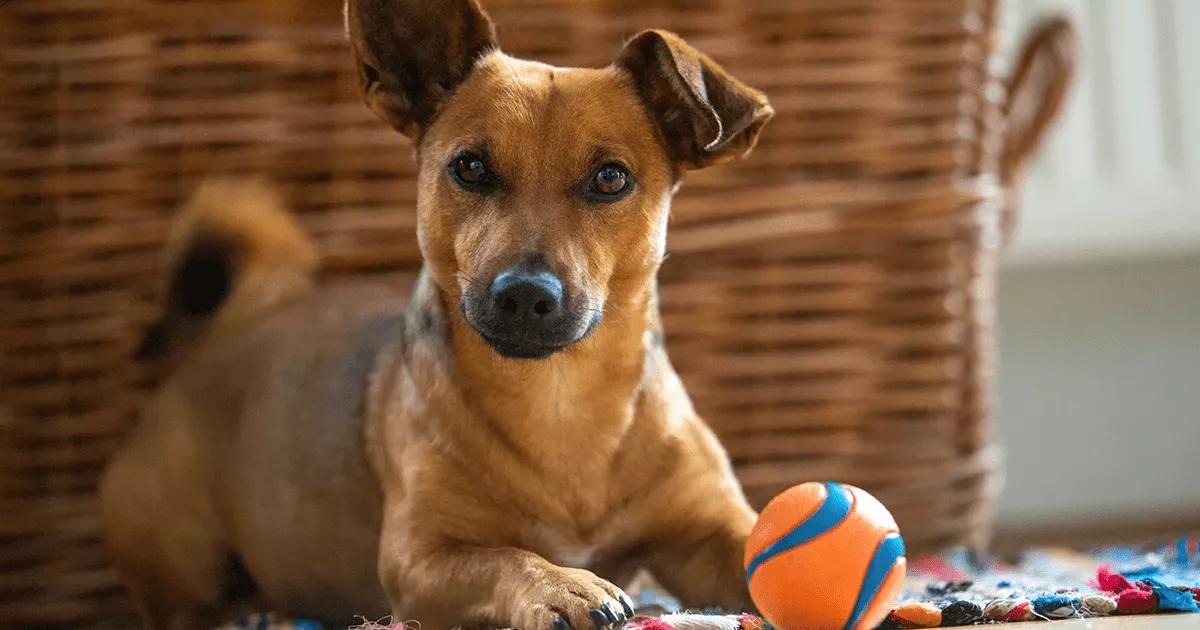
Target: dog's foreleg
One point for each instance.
(494, 587)
(700, 526)
(701, 563)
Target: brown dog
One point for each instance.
(508, 446)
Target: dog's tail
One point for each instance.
(233, 251)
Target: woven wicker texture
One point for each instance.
(828, 301)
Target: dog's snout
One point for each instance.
(528, 312)
(527, 295)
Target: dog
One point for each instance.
(500, 449)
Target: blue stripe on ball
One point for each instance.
(890, 549)
(833, 510)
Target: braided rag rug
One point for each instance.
(959, 588)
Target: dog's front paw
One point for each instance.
(571, 599)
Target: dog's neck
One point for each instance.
(590, 386)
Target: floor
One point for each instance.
(1133, 622)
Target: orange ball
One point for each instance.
(825, 556)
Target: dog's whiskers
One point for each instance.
(610, 306)
(464, 278)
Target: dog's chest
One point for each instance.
(566, 549)
(573, 525)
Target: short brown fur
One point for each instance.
(361, 456)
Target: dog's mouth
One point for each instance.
(520, 349)
(526, 344)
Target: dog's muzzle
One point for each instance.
(526, 313)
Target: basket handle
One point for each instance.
(1037, 91)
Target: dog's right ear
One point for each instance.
(412, 54)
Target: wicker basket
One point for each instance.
(829, 301)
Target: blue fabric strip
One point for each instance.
(1171, 599)
(890, 549)
(833, 510)
(1043, 604)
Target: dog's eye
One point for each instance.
(610, 182)
(471, 171)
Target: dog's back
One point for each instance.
(265, 414)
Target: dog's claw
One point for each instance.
(560, 624)
(627, 604)
(600, 618)
(615, 616)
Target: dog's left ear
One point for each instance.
(704, 114)
(412, 54)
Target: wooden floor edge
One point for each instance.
(1129, 528)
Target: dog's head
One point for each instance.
(544, 191)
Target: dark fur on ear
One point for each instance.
(412, 54)
(705, 115)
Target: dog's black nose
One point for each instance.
(527, 295)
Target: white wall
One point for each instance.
(1121, 176)
(1099, 323)
(1099, 390)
